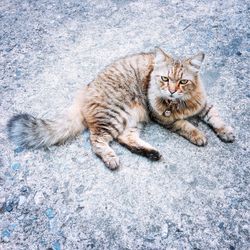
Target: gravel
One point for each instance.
(63, 197)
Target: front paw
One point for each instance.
(226, 134)
(112, 162)
(153, 155)
(198, 138)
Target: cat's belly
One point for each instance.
(137, 114)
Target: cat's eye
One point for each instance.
(183, 81)
(164, 79)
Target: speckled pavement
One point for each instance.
(64, 197)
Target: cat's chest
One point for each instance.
(175, 110)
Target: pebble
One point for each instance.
(19, 150)
(50, 213)
(25, 190)
(221, 225)
(39, 198)
(11, 203)
(6, 235)
(15, 166)
(56, 245)
(80, 189)
(22, 200)
(86, 140)
(2, 201)
(18, 74)
(81, 204)
(2, 181)
(43, 242)
(171, 167)
(165, 231)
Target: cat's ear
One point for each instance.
(196, 61)
(161, 56)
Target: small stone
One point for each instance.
(39, 198)
(56, 245)
(6, 232)
(221, 225)
(80, 189)
(165, 231)
(19, 150)
(238, 53)
(18, 74)
(11, 203)
(22, 200)
(172, 168)
(86, 140)
(2, 181)
(55, 189)
(2, 201)
(190, 179)
(15, 166)
(50, 213)
(6, 235)
(5, 239)
(8, 49)
(81, 204)
(43, 242)
(25, 190)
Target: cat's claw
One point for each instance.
(226, 134)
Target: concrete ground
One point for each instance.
(64, 197)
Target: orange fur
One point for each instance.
(122, 97)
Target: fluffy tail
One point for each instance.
(30, 132)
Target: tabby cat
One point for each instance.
(120, 99)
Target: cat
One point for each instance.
(126, 94)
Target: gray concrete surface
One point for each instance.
(64, 197)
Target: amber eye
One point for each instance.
(183, 81)
(164, 79)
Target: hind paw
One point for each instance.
(153, 155)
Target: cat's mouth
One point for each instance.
(172, 98)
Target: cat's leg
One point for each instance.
(100, 145)
(130, 139)
(189, 131)
(211, 116)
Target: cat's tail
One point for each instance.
(27, 131)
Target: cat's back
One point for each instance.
(126, 71)
(136, 61)
(119, 92)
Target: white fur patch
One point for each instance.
(196, 63)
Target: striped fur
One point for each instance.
(122, 97)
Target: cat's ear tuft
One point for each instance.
(196, 61)
(161, 56)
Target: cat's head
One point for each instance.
(176, 79)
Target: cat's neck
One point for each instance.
(179, 108)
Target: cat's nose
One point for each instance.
(172, 91)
